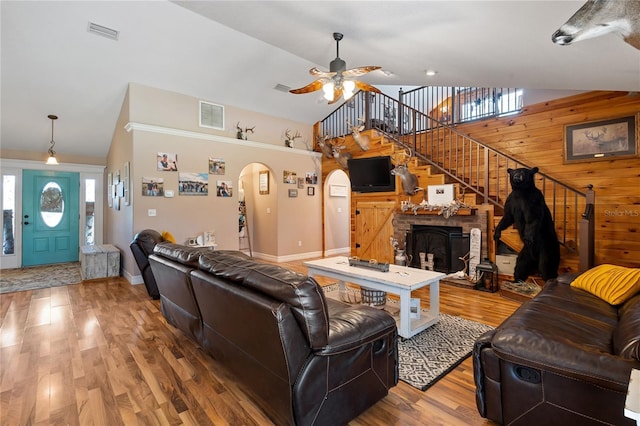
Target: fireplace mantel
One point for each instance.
(460, 212)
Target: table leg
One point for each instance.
(404, 330)
(434, 299)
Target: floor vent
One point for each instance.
(103, 31)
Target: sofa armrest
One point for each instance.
(351, 326)
(561, 356)
(352, 372)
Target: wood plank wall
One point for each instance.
(536, 137)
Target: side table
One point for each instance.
(99, 261)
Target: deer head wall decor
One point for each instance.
(409, 180)
(242, 133)
(599, 17)
(341, 157)
(325, 145)
(289, 140)
(363, 141)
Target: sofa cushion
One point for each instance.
(301, 292)
(612, 283)
(180, 253)
(626, 338)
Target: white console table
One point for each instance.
(399, 280)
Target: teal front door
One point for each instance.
(50, 219)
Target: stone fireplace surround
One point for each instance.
(402, 225)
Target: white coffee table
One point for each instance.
(398, 280)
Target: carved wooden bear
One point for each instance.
(527, 211)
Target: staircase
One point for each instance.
(479, 172)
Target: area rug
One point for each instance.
(37, 277)
(431, 354)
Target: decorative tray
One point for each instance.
(371, 264)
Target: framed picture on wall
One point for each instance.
(109, 195)
(337, 190)
(601, 140)
(293, 193)
(263, 182)
(311, 190)
(125, 181)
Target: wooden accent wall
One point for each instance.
(536, 137)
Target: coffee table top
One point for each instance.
(399, 276)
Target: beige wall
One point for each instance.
(118, 223)
(161, 121)
(337, 211)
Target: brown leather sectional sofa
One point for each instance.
(563, 358)
(305, 359)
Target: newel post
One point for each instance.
(587, 231)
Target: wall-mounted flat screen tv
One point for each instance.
(371, 174)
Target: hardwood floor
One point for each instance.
(100, 352)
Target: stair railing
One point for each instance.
(472, 164)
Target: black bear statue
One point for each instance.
(527, 211)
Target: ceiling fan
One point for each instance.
(338, 81)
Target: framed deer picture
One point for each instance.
(601, 140)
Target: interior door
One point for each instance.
(374, 228)
(50, 217)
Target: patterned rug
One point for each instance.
(431, 354)
(37, 277)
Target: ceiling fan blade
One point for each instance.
(311, 87)
(323, 74)
(356, 72)
(337, 95)
(366, 87)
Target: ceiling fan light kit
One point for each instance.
(338, 81)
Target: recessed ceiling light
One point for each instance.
(431, 73)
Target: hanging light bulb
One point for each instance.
(328, 89)
(348, 86)
(51, 161)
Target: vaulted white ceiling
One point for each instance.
(236, 52)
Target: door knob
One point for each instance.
(25, 223)
(26, 216)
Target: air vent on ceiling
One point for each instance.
(103, 31)
(282, 88)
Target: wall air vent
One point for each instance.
(103, 31)
(211, 115)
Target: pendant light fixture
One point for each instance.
(51, 161)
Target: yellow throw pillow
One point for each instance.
(166, 236)
(611, 283)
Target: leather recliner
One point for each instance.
(142, 247)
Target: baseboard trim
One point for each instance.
(338, 251)
(133, 279)
(288, 258)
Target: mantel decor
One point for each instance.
(601, 140)
(446, 210)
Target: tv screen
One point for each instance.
(371, 174)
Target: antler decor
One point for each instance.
(242, 133)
